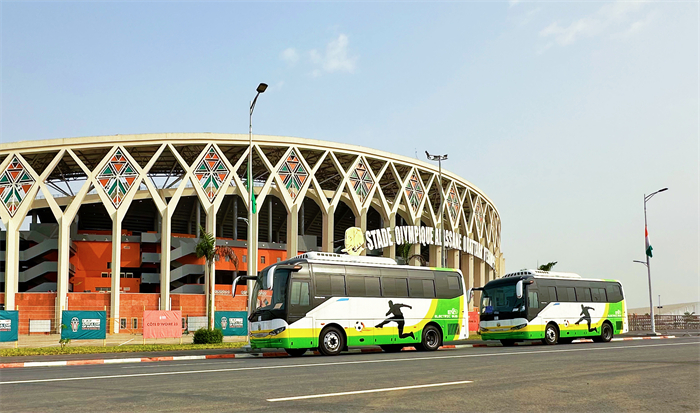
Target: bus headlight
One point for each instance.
(277, 331)
(518, 327)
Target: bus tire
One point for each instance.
(392, 348)
(606, 333)
(507, 343)
(331, 342)
(431, 339)
(551, 334)
(295, 352)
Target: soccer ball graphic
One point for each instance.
(359, 326)
(566, 323)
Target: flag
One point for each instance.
(648, 244)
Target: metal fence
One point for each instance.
(664, 322)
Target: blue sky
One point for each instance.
(564, 114)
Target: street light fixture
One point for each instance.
(252, 268)
(440, 158)
(647, 251)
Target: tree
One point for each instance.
(207, 248)
(547, 267)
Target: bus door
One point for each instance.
(299, 299)
(533, 302)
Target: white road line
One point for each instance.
(347, 393)
(340, 363)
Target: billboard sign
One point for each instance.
(84, 325)
(162, 324)
(231, 323)
(9, 325)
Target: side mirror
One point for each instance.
(235, 283)
(519, 289)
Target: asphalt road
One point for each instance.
(653, 375)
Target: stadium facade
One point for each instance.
(64, 200)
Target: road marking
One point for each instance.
(340, 363)
(347, 393)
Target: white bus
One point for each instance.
(331, 302)
(554, 307)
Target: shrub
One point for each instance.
(206, 336)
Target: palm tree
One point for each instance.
(547, 267)
(207, 248)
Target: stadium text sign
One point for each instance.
(411, 234)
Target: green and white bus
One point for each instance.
(554, 307)
(331, 302)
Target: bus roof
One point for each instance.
(549, 274)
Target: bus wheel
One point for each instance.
(606, 334)
(331, 342)
(551, 335)
(295, 352)
(507, 343)
(431, 339)
(392, 348)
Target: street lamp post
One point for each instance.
(647, 251)
(252, 268)
(440, 158)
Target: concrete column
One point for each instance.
(293, 231)
(361, 222)
(490, 272)
(391, 250)
(11, 262)
(302, 215)
(210, 278)
(468, 273)
(165, 247)
(415, 248)
(453, 258)
(63, 269)
(328, 230)
(116, 270)
(434, 260)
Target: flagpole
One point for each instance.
(647, 253)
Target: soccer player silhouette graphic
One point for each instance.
(397, 316)
(585, 316)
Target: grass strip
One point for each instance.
(52, 351)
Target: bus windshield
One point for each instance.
(500, 299)
(271, 299)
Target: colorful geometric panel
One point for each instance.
(15, 183)
(117, 177)
(293, 174)
(453, 203)
(479, 213)
(211, 173)
(414, 191)
(361, 180)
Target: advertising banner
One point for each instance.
(231, 323)
(84, 325)
(9, 325)
(162, 324)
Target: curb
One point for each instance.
(269, 354)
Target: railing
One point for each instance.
(664, 322)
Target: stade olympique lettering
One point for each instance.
(383, 237)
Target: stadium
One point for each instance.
(111, 222)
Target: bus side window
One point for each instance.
(296, 292)
(388, 287)
(356, 286)
(603, 295)
(337, 285)
(300, 293)
(323, 284)
(583, 294)
(552, 294)
(595, 295)
(614, 293)
(532, 299)
(571, 294)
(415, 288)
(402, 287)
(428, 288)
(372, 287)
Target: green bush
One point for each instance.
(206, 336)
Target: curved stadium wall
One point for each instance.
(64, 199)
